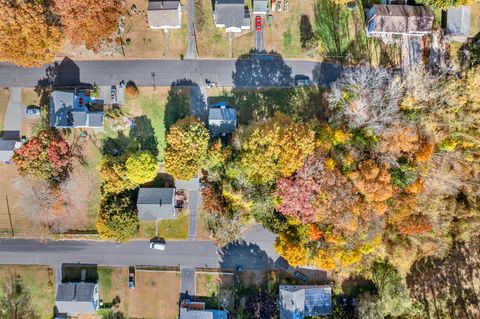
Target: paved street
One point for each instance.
(259, 71)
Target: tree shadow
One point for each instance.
(143, 133)
(179, 101)
(448, 287)
(245, 256)
(266, 69)
(306, 32)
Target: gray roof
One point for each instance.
(458, 21)
(400, 19)
(78, 118)
(222, 120)
(297, 302)
(7, 148)
(95, 119)
(61, 104)
(202, 314)
(156, 203)
(75, 298)
(163, 13)
(230, 13)
(260, 6)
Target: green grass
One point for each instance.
(39, 282)
(154, 109)
(105, 279)
(171, 229)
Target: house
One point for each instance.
(77, 297)
(260, 6)
(7, 147)
(74, 110)
(458, 23)
(196, 310)
(232, 15)
(156, 203)
(164, 14)
(222, 119)
(298, 302)
(399, 20)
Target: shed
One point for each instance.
(458, 21)
(156, 203)
(260, 6)
(7, 147)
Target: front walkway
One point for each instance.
(187, 277)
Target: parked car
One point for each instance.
(300, 276)
(302, 80)
(279, 5)
(258, 23)
(158, 244)
(33, 111)
(131, 277)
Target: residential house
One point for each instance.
(232, 15)
(77, 298)
(196, 310)
(7, 147)
(260, 6)
(156, 203)
(74, 110)
(222, 119)
(385, 20)
(298, 302)
(164, 14)
(457, 24)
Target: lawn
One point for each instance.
(30, 97)
(243, 43)
(170, 229)
(155, 294)
(212, 42)
(38, 281)
(475, 19)
(4, 96)
(215, 289)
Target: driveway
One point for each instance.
(13, 115)
(258, 39)
(192, 41)
(195, 198)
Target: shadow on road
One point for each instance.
(241, 255)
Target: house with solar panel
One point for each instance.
(298, 302)
(222, 119)
(75, 109)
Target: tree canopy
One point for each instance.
(118, 218)
(27, 38)
(141, 167)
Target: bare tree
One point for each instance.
(367, 97)
(15, 302)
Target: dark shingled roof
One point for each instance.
(95, 119)
(79, 292)
(156, 203)
(7, 145)
(400, 19)
(231, 13)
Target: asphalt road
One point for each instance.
(248, 253)
(252, 71)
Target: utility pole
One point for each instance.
(153, 80)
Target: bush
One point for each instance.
(131, 89)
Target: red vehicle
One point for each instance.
(258, 23)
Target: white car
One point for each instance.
(157, 245)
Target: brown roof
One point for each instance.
(400, 19)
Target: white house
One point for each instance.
(164, 14)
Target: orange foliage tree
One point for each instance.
(373, 181)
(26, 38)
(88, 22)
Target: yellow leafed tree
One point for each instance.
(26, 38)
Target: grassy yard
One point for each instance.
(215, 289)
(4, 96)
(38, 281)
(171, 229)
(212, 42)
(30, 97)
(475, 19)
(243, 44)
(155, 294)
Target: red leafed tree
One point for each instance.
(414, 225)
(88, 21)
(46, 156)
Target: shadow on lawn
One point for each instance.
(141, 137)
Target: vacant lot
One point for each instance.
(215, 289)
(155, 295)
(38, 282)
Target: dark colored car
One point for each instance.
(258, 23)
(300, 276)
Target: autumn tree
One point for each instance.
(373, 181)
(46, 156)
(15, 300)
(275, 149)
(118, 218)
(114, 177)
(88, 22)
(187, 145)
(26, 37)
(261, 305)
(141, 167)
